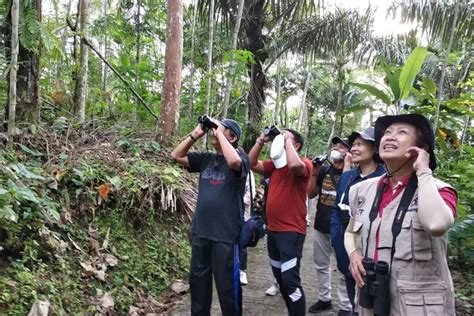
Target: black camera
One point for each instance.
(318, 160)
(375, 294)
(271, 131)
(206, 122)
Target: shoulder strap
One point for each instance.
(333, 179)
(252, 213)
(402, 210)
(374, 212)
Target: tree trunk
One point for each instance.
(192, 61)
(443, 71)
(277, 118)
(235, 37)
(137, 56)
(28, 92)
(81, 84)
(303, 114)
(340, 84)
(15, 12)
(173, 60)
(209, 57)
(254, 23)
(105, 53)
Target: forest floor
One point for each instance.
(255, 302)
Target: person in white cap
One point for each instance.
(286, 211)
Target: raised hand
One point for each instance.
(422, 161)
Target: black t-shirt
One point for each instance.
(219, 207)
(327, 197)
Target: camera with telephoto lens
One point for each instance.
(206, 122)
(318, 160)
(271, 131)
(375, 294)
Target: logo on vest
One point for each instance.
(361, 201)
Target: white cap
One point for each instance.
(277, 152)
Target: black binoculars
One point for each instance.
(375, 294)
(271, 131)
(206, 122)
(318, 160)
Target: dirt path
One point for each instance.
(255, 302)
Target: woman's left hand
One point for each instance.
(422, 161)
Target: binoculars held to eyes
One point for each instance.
(206, 122)
(375, 294)
(271, 131)
(318, 160)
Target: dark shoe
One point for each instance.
(320, 306)
(343, 312)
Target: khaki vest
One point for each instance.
(421, 283)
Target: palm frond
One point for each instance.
(336, 35)
(436, 18)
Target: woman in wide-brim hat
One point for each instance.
(402, 230)
(363, 154)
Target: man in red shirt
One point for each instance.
(286, 213)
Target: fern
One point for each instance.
(29, 28)
(459, 235)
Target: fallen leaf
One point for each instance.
(40, 308)
(104, 190)
(179, 287)
(133, 311)
(75, 244)
(105, 244)
(111, 260)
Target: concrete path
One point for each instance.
(255, 302)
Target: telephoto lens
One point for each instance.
(366, 298)
(206, 122)
(382, 288)
(271, 131)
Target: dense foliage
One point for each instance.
(63, 184)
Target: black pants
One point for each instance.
(285, 250)
(243, 258)
(221, 260)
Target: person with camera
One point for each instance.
(325, 179)
(285, 211)
(217, 220)
(363, 155)
(397, 236)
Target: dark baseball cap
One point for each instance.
(337, 139)
(233, 126)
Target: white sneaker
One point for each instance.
(243, 278)
(273, 290)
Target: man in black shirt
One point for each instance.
(324, 183)
(218, 217)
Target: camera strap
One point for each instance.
(374, 211)
(252, 212)
(401, 212)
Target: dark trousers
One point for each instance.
(343, 263)
(285, 250)
(221, 260)
(243, 258)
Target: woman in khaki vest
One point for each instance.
(397, 236)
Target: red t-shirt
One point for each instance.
(286, 202)
(390, 193)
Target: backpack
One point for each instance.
(254, 228)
